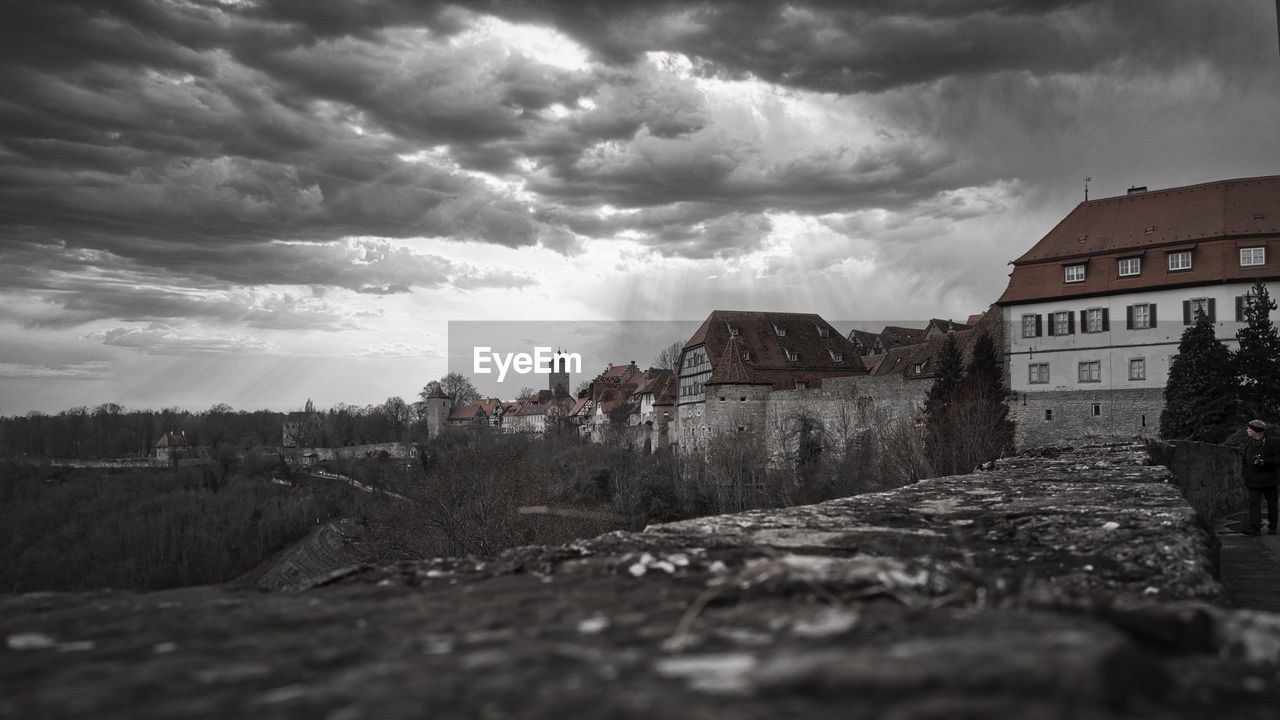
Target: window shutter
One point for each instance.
(1128, 318)
(1071, 323)
(1053, 324)
(1039, 328)
(1152, 308)
(1084, 321)
(1239, 308)
(1186, 312)
(1106, 319)
(1213, 315)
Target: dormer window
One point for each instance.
(1130, 267)
(746, 354)
(1253, 256)
(1074, 273)
(802, 385)
(1180, 260)
(1082, 237)
(779, 330)
(792, 355)
(919, 367)
(822, 330)
(1149, 229)
(733, 331)
(836, 356)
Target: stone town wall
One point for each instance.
(1075, 416)
(1074, 587)
(1211, 476)
(355, 452)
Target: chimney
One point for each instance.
(1137, 189)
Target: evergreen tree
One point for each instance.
(1257, 362)
(1199, 399)
(939, 425)
(990, 430)
(945, 382)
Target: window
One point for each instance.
(746, 354)
(822, 330)
(802, 385)
(1097, 409)
(1137, 369)
(1091, 371)
(1048, 414)
(1038, 373)
(1094, 320)
(1253, 256)
(779, 330)
(919, 367)
(1191, 309)
(1140, 316)
(1180, 260)
(1074, 273)
(1149, 229)
(1130, 266)
(836, 356)
(1242, 304)
(1062, 323)
(791, 355)
(1031, 325)
(733, 331)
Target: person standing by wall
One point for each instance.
(1260, 477)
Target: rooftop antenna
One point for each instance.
(1087, 179)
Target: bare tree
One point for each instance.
(456, 386)
(669, 357)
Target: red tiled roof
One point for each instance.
(1209, 218)
(895, 336)
(905, 360)
(470, 411)
(173, 439)
(667, 395)
(656, 380)
(733, 370)
(756, 331)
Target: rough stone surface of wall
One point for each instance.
(1125, 414)
(1211, 477)
(395, 450)
(843, 405)
(1080, 586)
(732, 409)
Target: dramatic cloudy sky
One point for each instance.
(260, 201)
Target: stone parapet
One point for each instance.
(1076, 586)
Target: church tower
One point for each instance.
(558, 381)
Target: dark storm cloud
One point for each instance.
(187, 138)
(847, 47)
(213, 283)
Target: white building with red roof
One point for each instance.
(1095, 310)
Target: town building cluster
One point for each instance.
(1088, 325)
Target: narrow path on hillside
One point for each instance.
(1250, 569)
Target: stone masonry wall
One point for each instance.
(1126, 414)
(1211, 477)
(1080, 586)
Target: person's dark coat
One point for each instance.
(1260, 475)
